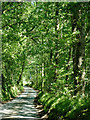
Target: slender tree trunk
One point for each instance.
(51, 54)
(21, 72)
(42, 69)
(82, 67)
(56, 40)
(3, 82)
(36, 75)
(68, 66)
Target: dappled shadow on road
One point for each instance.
(23, 119)
(20, 108)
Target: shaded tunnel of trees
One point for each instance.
(47, 46)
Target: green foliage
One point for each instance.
(65, 107)
(13, 52)
(46, 45)
(80, 109)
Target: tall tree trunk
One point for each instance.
(78, 49)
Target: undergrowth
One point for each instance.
(65, 107)
(11, 93)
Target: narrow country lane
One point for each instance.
(21, 108)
